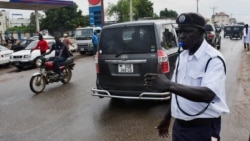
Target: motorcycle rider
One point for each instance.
(61, 54)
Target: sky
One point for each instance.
(239, 9)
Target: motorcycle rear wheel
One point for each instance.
(37, 84)
(67, 74)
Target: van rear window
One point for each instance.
(139, 39)
(208, 27)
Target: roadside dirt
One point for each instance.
(240, 111)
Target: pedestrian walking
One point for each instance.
(42, 44)
(6, 39)
(95, 42)
(198, 86)
(12, 39)
(1, 39)
(246, 36)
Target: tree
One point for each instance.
(32, 24)
(120, 10)
(168, 13)
(63, 19)
(144, 8)
(141, 8)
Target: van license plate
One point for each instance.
(125, 68)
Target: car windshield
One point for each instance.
(31, 45)
(2, 48)
(227, 28)
(128, 39)
(84, 33)
(236, 28)
(24, 43)
(44, 37)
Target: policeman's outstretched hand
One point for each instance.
(163, 128)
(157, 82)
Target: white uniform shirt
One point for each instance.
(246, 36)
(191, 71)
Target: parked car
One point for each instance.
(236, 32)
(27, 58)
(45, 37)
(227, 31)
(21, 45)
(25, 42)
(127, 51)
(5, 55)
(213, 35)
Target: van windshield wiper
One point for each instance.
(128, 52)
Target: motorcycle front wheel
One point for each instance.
(67, 74)
(37, 83)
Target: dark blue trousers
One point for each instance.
(189, 132)
(57, 63)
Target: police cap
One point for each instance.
(191, 20)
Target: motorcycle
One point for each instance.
(47, 74)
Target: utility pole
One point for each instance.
(213, 8)
(130, 11)
(213, 16)
(197, 6)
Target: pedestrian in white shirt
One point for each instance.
(246, 37)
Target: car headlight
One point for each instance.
(26, 56)
(38, 62)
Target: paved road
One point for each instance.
(236, 125)
(69, 112)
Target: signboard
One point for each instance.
(95, 12)
(94, 2)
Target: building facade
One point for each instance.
(221, 19)
(4, 21)
(7, 22)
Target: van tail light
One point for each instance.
(210, 36)
(163, 63)
(97, 63)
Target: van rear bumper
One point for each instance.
(142, 96)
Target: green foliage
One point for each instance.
(26, 29)
(63, 19)
(144, 8)
(168, 13)
(120, 10)
(141, 8)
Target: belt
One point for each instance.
(195, 122)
